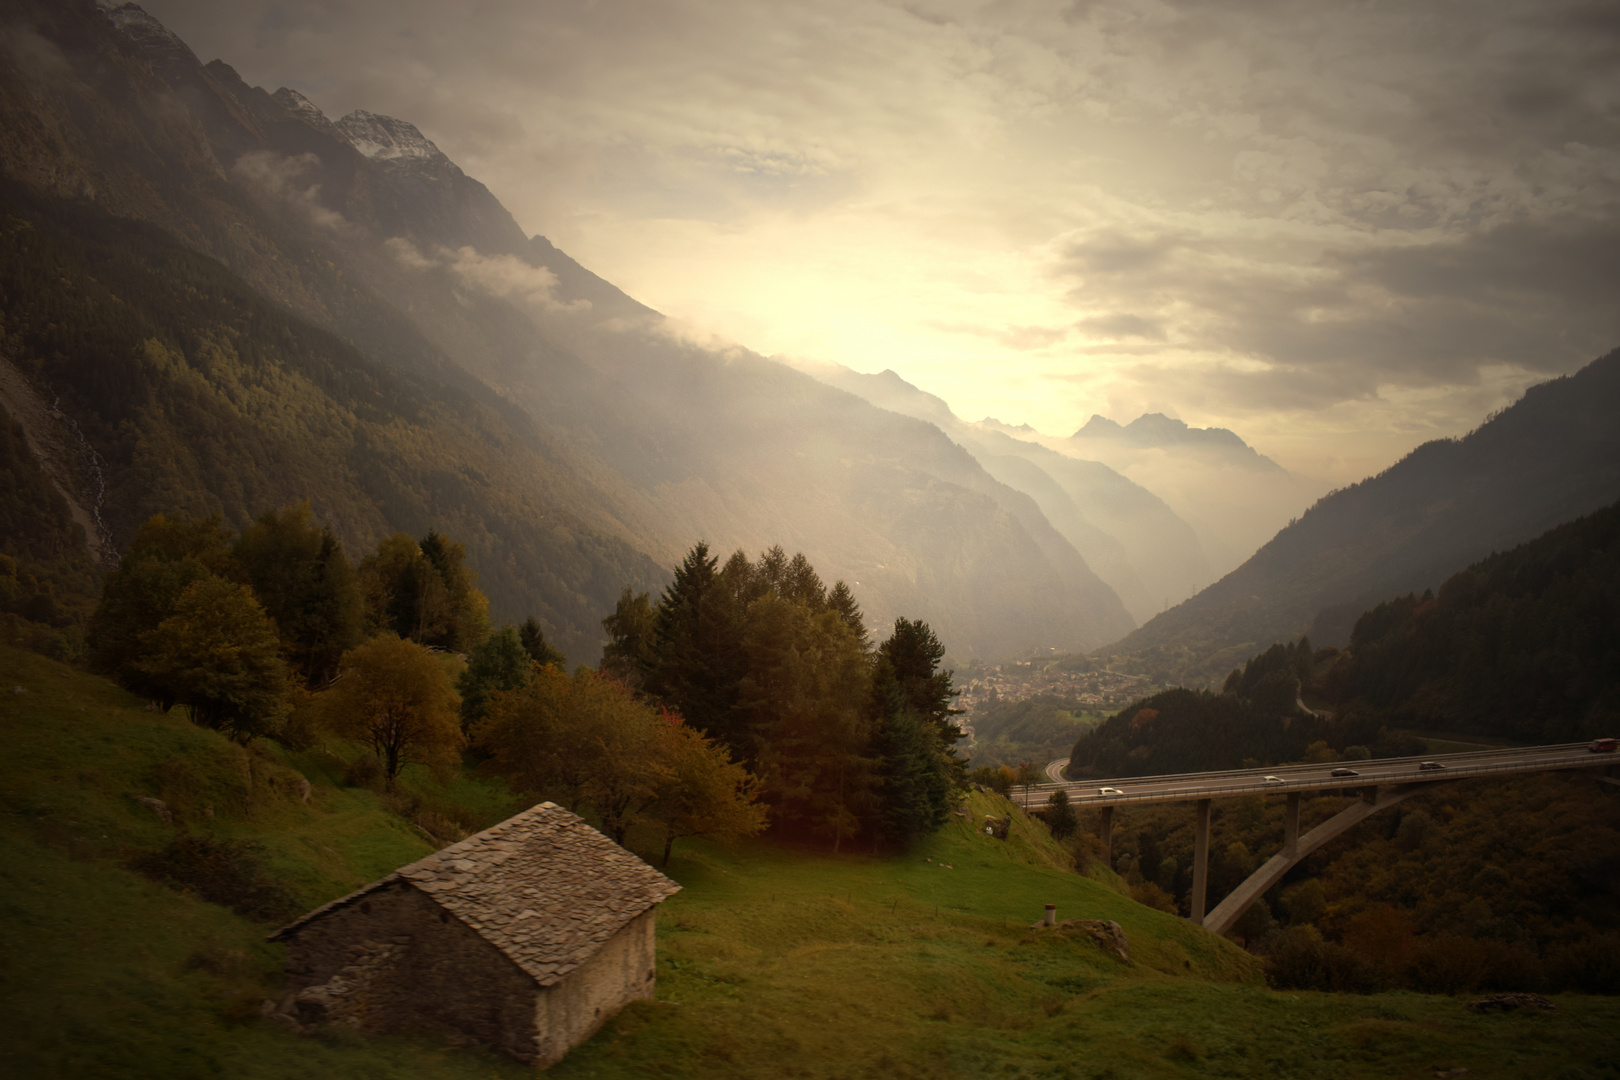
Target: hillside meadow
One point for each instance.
(772, 962)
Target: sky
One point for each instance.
(1340, 229)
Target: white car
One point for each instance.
(1109, 791)
(1275, 780)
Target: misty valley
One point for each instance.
(421, 658)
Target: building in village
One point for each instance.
(528, 936)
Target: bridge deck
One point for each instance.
(1191, 787)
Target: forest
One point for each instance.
(748, 695)
(1488, 884)
(1520, 646)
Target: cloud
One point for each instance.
(1122, 325)
(284, 179)
(1029, 208)
(505, 276)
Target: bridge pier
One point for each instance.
(1226, 913)
(1106, 835)
(1200, 863)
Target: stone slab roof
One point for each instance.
(543, 886)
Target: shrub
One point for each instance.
(365, 771)
(224, 872)
(1300, 960)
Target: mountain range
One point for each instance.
(1551, 457)
(277, 305)
(218, 300)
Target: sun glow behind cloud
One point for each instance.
(1337, 230)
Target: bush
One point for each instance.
(224, 872)
(365, 771)
(1298, 959)
(1449, 964)
(1150, 895)
(1590, 965)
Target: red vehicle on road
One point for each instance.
(1603, 746)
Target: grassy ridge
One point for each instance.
(771, 962)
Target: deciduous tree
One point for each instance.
(700, 791)
(218, 654)
(397, 697)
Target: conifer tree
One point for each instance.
(499, 662)
(302, 577)
(534, 642)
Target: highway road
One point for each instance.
(1189, 787)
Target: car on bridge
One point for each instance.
(1603, 746)
(1109, 791)
(1429, 766)
(1344, 772)
(1273, 780)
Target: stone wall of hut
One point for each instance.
(395, 959)
(620, 972)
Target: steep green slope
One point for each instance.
(1551, 457)
(771, 962)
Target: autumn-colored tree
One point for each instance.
(585, 739)
(218, 654)
(700, 791)
(578, 738)
(397, 697)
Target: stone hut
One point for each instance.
(529, 936)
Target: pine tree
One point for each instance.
(499, 662)
(534, 642)
(302, 577)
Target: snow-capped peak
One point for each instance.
(301, 107)
(387, 139)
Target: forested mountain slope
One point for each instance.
(636, 439)
(1551, 457)
(204, 398)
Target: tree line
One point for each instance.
(745, 689)
(1520, 645)
(848, 738)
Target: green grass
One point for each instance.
(772, 962)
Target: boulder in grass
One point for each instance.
(1105, 932)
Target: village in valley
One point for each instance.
(1098, 689)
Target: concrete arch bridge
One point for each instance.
(1383, 783)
